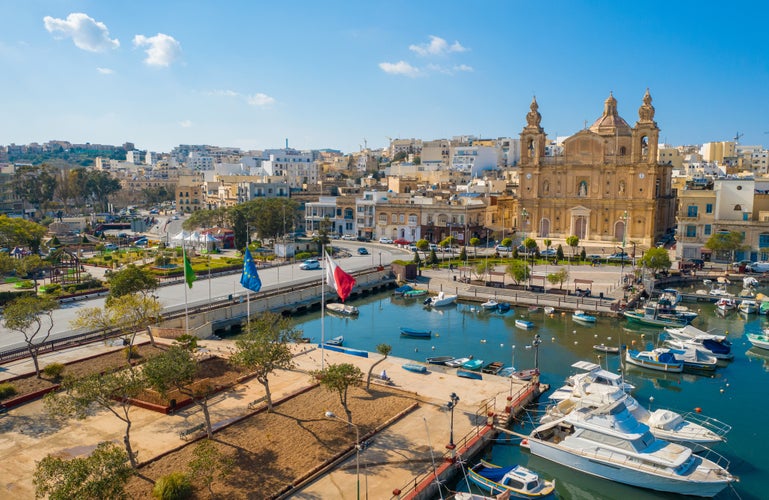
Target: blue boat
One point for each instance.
(335, 341)
(412, 367)
(516, 480)
(473, 364)
(657, 359)
(471, 375)
(503, 307)
(411, 332)
(582, 317)
(402, 289)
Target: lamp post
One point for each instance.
(524, 219)
(331, 414)
(622, 255)
(535, 343)
(454, 399)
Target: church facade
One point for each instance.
(606, 187)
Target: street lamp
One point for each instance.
(622, 255)
(451, 405)
(331, 414)
(535, 343)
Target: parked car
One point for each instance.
(502, 248)
(309, 265)
(401, 241)
(385, 240)
(758, 267)
(110, 246)
(619, 256)
(548, 252)
(363, 238)
(362, 251)
(348, 237)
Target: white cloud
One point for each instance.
(399, 68)
(225, 93)
(185, 123)
(463, 67)
(260, 99)
(163, 49)
(105, 71)
(86, 33)
(437, 46)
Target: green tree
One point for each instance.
(518, 270)
(432, 259)
(463, 255)
(558, 278)
(423, 245)
(31, 316)
(417, 259)
(131, 313)
(475, 242)
(656, 259)
(339, 378)
(208, 463)
(322, 238)
(131, 280)
(30, 266)
(110, 391)
(573, 242)
(101, 475)
(264, 349)
(559, 252)
(723, 242)
(100, 185)
(482, 268)
(177, 369)
(507, 242)
(35, 184)
(548, 243)
(21, 233)
(384, 350)
(448, 241)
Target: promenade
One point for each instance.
(402, 451)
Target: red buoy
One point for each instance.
(698, 409)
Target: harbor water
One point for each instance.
(734, 393)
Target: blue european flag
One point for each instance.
(250, 278)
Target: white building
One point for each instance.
(473, 159)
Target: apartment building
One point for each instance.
(190, 193)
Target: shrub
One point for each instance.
(54, 370)
(303, 255)
(107, 258)
(7, 390)
(174, 486)
(51, 288)
(131, 352)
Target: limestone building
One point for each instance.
(606, 187)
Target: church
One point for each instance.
(606, 187)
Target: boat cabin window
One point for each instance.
(513, 483)
(532, 486)
(614, 441)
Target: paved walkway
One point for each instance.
(27, 434)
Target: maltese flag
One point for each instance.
(340, 280)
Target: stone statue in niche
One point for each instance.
(546, 187)
(582, 189)
(621, 187)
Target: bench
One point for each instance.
(380, 381)
(192, 430)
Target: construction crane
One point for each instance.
(737, 137)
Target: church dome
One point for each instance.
(610, 123)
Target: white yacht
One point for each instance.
(608, 442)
(691, 429)
(590, 373)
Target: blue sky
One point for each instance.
(330, 74)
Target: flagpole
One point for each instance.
(186, 310)
(323, 311)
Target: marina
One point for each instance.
(489, 335)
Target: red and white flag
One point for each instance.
(340, 280)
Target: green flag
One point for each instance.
(189, 274)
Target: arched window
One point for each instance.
(622, 151)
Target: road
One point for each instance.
(172, 297)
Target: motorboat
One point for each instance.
(692, 429)
(695, 358)
(653, 320)
(655, 313)
(524, 323)
(726, 304)
(439, 360)
(582, 317)
(493, 368)
(402, 289)
(591, 373)
(440, 300)
(473, 364)
(760, 341)
(335, 341)
(748, 306)
(526, 374)
(515, 479)
(411, 294)
(469, 374)
(490, 305)
(503, 307)
(608, 349)
(691, 332)
(457, 362)
(610, 443)
(415, 333)
(342, 309)
(415, 368)
(718, 349)
(660, 359)
(670, 296)
(749, 282)
(549, 310)
(763, 307)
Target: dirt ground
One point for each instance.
(272, 450)
(99, 364)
